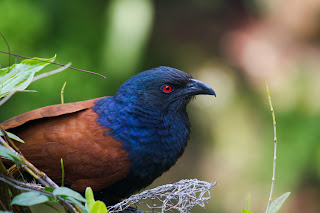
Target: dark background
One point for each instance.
(235, 46)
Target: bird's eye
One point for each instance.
(166, 89)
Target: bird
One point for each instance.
(118, 144)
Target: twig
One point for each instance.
(30, 168)
(37, 59)
(275, 148)
(30, 187)
(21, 185)
(46, 74)
(5, 196)
(181, 196)
(62, 92)
(41, 177)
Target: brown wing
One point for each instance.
(48, 111)
(90, 157)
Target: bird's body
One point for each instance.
(117, 145)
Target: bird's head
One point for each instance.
(162, 88)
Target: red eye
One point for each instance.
(166, 89)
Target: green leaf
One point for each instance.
(29, 199)
(277, 203)
(48, 189)
(7, 153)
(77, 203)
(64, 191)
(90, 198)
(99, 207)
(245, 211)
(5, 211)
(12, 136)
(18, 76)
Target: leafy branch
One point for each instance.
(17, 78)
(43, 60)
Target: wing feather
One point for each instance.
(48, 111)
(71, 132)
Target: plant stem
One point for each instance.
(274, 148)
(62, 92)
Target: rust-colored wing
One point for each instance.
(48, 111)
(70, 132)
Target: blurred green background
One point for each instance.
(236, 46)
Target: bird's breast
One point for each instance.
(153, 149)
(154, 141)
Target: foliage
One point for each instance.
(277, 203)
(12, 136)
(18, 76)
(29, 199)
(92, 205)
(7, 153)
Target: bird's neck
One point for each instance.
(154, 140)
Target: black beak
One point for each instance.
(195, 87)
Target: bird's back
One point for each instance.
(70, 131)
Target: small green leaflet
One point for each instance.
(64, 191)
(77, 203)
(12, 136)
(29, 199)
(90, 198)
(245, 211)
(7, 153)
(18, 76)
(277, 203)
(99, 207)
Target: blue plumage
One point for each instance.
(151, 123)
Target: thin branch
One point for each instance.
(37, 59)
(31, 187)
(275, 148)
(21, 185)
(62, 93)
(41, 177)
(46, 74)
(30, 168)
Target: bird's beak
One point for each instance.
(195, 87)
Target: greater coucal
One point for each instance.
(117, 145)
